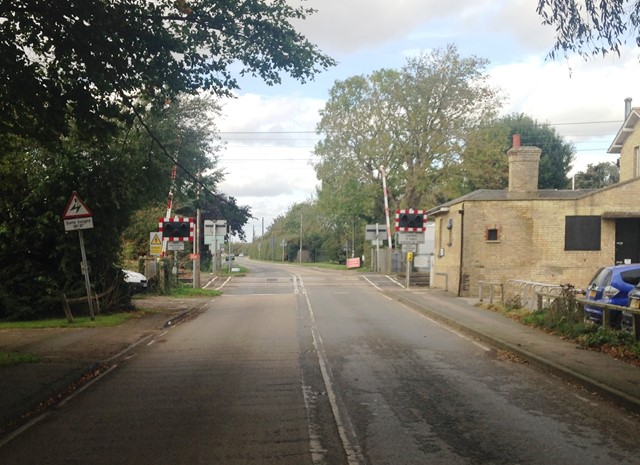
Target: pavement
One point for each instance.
(69, 358)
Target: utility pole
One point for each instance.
(196, 244)
(300, 252)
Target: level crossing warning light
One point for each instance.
(176, 228)
(411, 220)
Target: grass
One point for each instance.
(567, 321)
(17, 358)
(225, 270)
(185, 290)
(100, 321)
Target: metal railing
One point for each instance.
(527, 292)
(491, 286)
(606, 311)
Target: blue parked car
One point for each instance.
(611, 285)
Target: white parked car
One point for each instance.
(137, 282)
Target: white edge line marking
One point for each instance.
(372, 283)
(394, 281)
(41, 417)
(223, 284)
(210, 282)
(354, 456)
(451, 330)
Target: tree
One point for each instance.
(90, 95)
(484, 162)
(91, 63)
(413, 121)
(591, 28)
(597, 176)
(116, 176)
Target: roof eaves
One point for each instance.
(625, 130)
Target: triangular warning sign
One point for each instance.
(76, 208)
(155, 240)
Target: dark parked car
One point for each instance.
(634, 302)
(611, 285)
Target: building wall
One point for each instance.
(530, 240)
(446, 267)
(628, 161)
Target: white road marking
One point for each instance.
(451, 330)
(210, 282)
(223, 284)
(10, 437)
(372, 283)
(393, 280)
(343, 422)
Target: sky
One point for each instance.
(270, 131)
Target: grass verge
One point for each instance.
(185, 290)
(565, 319)
(100, 321)
(17, 358)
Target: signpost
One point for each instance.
(376, 233)
(214, 233)
(78, 216)
(410, 225)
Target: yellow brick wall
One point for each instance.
(530, 245)
(627, 156)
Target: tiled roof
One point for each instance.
(503, 194)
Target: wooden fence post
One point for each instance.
(67, 310)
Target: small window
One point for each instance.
(582, 233)
(492, 234)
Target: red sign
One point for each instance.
(76, 208)
(353, 262)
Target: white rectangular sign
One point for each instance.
(172, 245)
(78, 223)
(411, 237)
(409, 248)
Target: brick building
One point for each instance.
(550, 236)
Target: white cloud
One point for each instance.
(270, 137)
(588, 94)
(345, 26)
(269, 146)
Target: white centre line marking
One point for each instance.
(343, 422)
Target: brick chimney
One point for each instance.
(627, 107)
(524, 166)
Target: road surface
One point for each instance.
(303, 366)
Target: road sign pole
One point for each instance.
(86, 275)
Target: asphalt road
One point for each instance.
(302, 366)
